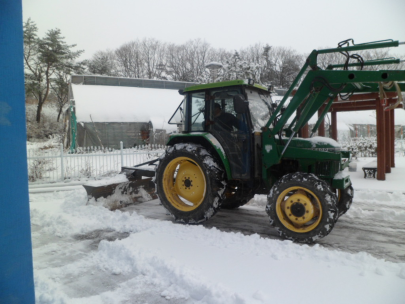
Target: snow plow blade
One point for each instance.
(139, 187)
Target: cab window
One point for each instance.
(197, 105)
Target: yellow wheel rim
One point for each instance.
(299, 209)
(184, 184)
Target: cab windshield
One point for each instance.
(260, 108)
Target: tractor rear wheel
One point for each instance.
(345, 199)
(302, 207)
(189, 183)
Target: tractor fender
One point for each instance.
(208, 141)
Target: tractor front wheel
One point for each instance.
(302, 207)
(189, 183)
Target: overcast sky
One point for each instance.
(303, 25)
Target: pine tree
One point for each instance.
(43, 58)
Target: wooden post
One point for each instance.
(392, 128)
(305, 131)
(380, 141)
(321, 129)
(334, 125)
(387, 141)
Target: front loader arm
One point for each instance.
(320, 87)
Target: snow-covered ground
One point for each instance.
(84, 253)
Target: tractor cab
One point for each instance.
(233, 112)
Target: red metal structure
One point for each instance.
(384, 120)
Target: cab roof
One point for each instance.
(245, 82)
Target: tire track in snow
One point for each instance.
(379, 238)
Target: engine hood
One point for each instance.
(316, 143)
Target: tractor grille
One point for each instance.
(326, 168)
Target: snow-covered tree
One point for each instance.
(283, 66)
(103, 63)
(236, 68)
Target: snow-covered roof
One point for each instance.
(125, 104)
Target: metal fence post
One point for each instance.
(61, 163)
(122, 153)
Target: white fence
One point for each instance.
(53, 165)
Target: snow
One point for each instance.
(319, 140)
(394, 180)
(126, 104)
(341, 175)
(119, 178)
(85, 253)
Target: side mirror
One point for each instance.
(240, 104)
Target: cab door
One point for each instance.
(233, 132)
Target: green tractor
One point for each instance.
(235, 142)
(227, 152)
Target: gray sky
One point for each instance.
(303, 25)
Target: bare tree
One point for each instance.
(197, 53)
(177, 68)
(153, 53)
(129, 60)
